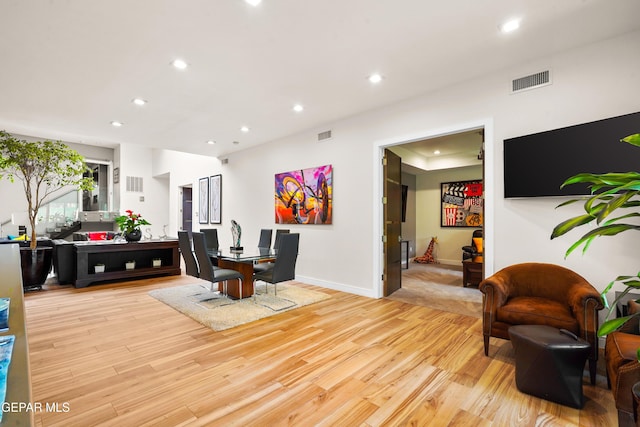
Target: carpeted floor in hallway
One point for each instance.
(438, 286)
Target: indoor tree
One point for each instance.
(610, 192)
(43, 167)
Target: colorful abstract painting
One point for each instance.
(304, 196)
(462, 204)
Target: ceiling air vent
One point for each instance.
(134, 184)
(323, 136)
(543, 78)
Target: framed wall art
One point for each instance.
(215, 212)
(462, 204)
(203, 199)
(304, 196)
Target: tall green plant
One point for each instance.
(43, 167)
(610, 192)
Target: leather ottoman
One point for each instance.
(550, 363)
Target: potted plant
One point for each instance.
(130, 225)
(44, 167)
(609, 193)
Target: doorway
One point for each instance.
(186, 208)
(482, 154)
(100, 197)
(392, 170)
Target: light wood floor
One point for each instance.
(118, 357)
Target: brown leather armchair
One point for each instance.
(472, 250)
(541, 294)
(623, 369)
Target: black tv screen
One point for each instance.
(536, 165)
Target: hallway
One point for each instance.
(438, 286)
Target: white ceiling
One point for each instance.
(70, 67)
(442, 152)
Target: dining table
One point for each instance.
(242, 261)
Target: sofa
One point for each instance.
(62, 261)
(94, 235)
(23, 243)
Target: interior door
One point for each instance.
(186, 208)
(392, 200)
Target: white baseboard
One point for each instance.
(336, 286)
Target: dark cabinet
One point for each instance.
(151, 258)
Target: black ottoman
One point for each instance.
(549, 363)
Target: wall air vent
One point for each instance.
(134, 184)
(543, 78)
(323, 136)
(224, 161)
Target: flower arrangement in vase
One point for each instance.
(130, 225)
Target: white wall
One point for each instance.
(183, 170)
(590, 83)
(428, 198)
(152, 203)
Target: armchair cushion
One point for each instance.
(538, 311)
(97, 235)
(477, 242)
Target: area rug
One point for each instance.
(220, 313)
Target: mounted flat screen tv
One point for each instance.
(536, 165)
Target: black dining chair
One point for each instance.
(208, 271)
(279, 233)
(264, 266)
(284, 267)
(211, 238)
(265, 238)
(184, 244)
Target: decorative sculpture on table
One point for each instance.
(164, 232)
(236, 233)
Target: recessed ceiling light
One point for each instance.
(116, 123)
(375, 78)
(244, 129)
(436, 152)
(211, 142)
(179, 64)
(139, 101)
(511, 25)
(298, 108)
(253, 2)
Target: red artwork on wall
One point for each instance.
(462, 204)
